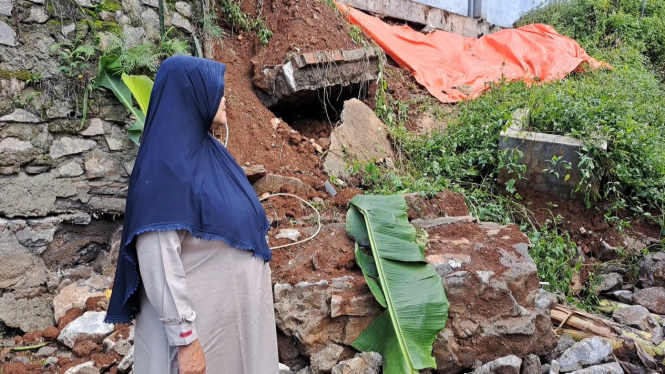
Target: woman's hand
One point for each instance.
(191, 358)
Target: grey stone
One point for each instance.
(360, 137)
(100, 166)
(34, 58)
(505, 365)
(151, 3)
(37, 15)
(22, 359)
(18, 266)
(273, 183)
(127, 362)
(70, 169)
(133, 36)
(184, 8)
(182, 23)
(20, 115)
(76, 294)
(7, 35)
(113, 143)
(254, 172)
(69, 146)
(51, 361)
(90, 326)
(85, 3)
(531, 365)
(150, 20)
(38, 233)
(565, 341)
(611, 368)
(14, 145)
(652, 298)
(46, 351)
(610, 282)
(95, 127)
(545, 300)
(122, 347)
(25, 314)
(6, 7)
(555, 368)
(84, 368)
(362, 363)
(623, 296)
(639, 317)
(652, 270)
(324, 360)
(588, 352)
(66, 30)
(37, 169)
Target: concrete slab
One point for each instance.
(538, 149)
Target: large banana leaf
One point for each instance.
(401, 280)
(141, 87)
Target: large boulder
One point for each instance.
(588, 352)
(90, 326)
(26, 314)
(76, 294)
(652, 298)
(652, 270)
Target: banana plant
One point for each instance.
(410, 290)
(123, 86)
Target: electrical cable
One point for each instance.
(318, 218)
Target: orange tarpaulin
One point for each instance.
(454, 68)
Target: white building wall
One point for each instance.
(455, 6)
(499, 12)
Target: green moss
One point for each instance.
(109, 6)
(22, 75)
(107, 26)
(53, 23)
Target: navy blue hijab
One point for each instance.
(183, 178)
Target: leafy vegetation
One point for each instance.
(402, 282)
(623, 106)
(238, 19)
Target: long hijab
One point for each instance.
(183, 178)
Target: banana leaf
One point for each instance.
(141, 87)
(401, 280)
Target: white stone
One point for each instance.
(133, 36)
(291, 234)
(14, 145)
(37, 15)
(76, 294)
(96, 127)
(184, 8)
(71, 169)
(588, 352)
(70, 146)
(7, 35)
(113, 143)
(6, 7)
(19, 115)
(182, 22)
(151, 3)
(84, 3)
(90, 326)
(84, 368)
(611, 368)
(66, 30)
(127, 361)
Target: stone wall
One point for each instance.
(63, 183)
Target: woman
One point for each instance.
(194, 255)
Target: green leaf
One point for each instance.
(417, 308)
(135, 130)
(141, 87)
(368, 267)
(355, 227)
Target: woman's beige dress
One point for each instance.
(194, 288)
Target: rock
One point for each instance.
(19, 115)
(606, 252)
(623, 296)
(127, 361)
(531, 365)
(360, 137)
(652, 270)
(122, 347)
(76, 294)
(362, 363)
(254, 172)
(70, 170)
(610, 282)
(555, 368)
(639, 317)
(133, 36)
(21, 359)
(114, 144)
(151, 3)
(100, 166)
(652, 298)
(184, 8)
(182, 23)
(7, 36)
(611, 368)
(25, 314)
(504, 365)
(95, 127)
(66, 30)
(46, 351)
(273, 183)
(291, 234)
(283, 369)
(84, 368)
(324, 360)
(69, 146)
(51, 361)
(6, 7)
(19, 265)
(90, 326)
(37, 15)
(84, 3)
(14, 145)
(588, 352)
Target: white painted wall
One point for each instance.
(499, 12)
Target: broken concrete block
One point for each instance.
(360, 137)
